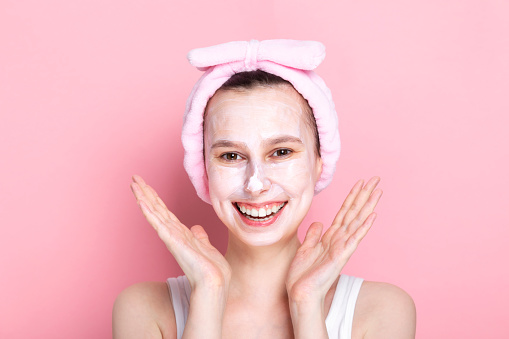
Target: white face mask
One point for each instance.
(261, 162)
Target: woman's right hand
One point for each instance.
(204, 266)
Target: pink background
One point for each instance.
(92, 92)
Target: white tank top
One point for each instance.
(338, 322)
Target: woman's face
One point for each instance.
(260, 161)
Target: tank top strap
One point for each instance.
(180, 290)
(340, 318)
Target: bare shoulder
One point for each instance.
(144, 310)
(384, 311)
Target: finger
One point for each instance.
(159, 204)
(138, 190)
(360, 200)
(138, 179)
(312, 235)
(152, 199)
(337, 222)
(366, 210)
(200, 234)
(146, 189)
(141, 194)
(343, 251)
(140, 183)
(354, 192)
(151, 194)
(354, 240)
(167, 234)
(151, 215)
(154, 195)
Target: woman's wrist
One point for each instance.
(308, 319)
(306, 309)
(206, 311)
(210, 301)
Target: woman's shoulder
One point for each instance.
(384, 311)
(144, 310)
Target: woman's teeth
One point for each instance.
(257, 213)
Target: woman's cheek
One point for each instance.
(293, 176)
(225, 181)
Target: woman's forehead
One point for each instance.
(258, 96)
(261, 111)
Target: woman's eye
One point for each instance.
(230, 156)
(283, 152)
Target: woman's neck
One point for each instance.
(259, 272)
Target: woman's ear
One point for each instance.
(319, 168)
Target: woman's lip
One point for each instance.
(260, 223)
(259, 205)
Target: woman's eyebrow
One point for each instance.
(228, 144)
(282, 139)
(269, 142)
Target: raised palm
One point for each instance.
(318, 262)
(201, 262)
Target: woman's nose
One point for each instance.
(257, 182)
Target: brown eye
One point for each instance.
(283, 152)
(230, 156)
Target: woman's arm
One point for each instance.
(308, 320)
(144, 310)
(206, 310)
(384, 311)
(205, 267)
(320, 259)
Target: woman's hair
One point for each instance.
(248, 80)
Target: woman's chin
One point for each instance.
(259, 240)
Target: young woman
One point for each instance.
(261, 139)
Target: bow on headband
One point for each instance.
(305, 55)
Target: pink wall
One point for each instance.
(92, 92)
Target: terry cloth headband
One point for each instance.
(293, 61)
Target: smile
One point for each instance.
(260, 213)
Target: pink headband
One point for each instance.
(293, 61)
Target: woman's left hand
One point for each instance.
(318, 262)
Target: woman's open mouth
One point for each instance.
(263, 215)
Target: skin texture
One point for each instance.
(258, 149)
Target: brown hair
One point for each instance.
(251, 79)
